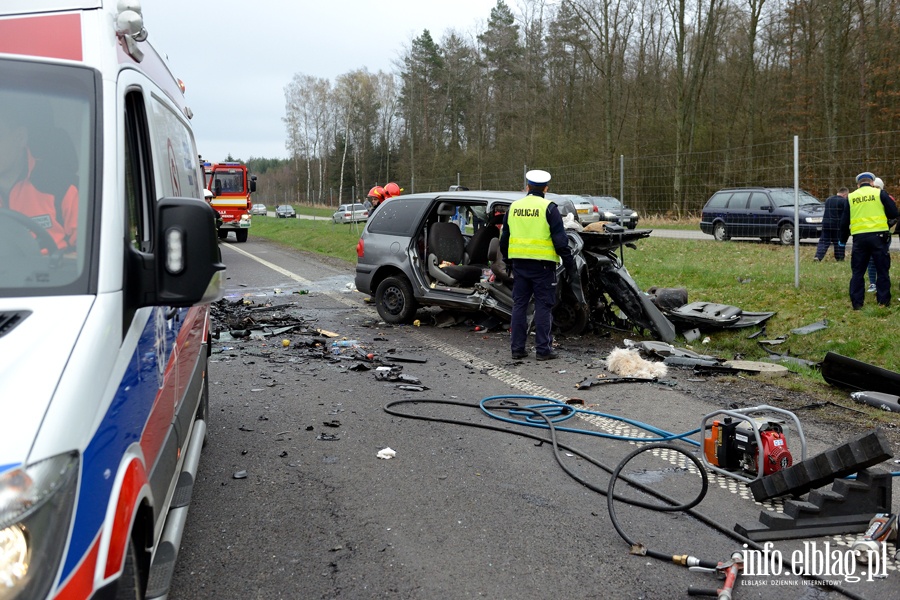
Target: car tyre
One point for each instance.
(570, 317)
(395, 301)
(719, 232)
(129, 585)
(241, 235)
(223, 234)
(786, 234)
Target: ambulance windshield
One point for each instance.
(46, 202)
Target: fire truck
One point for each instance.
(231, 188)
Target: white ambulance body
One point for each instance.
(108, 260)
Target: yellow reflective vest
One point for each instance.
(866, 211)
(529, 232)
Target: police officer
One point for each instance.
(867, 222)
(534, 239)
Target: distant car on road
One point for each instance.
(349, 213)
(610, 209)
(285, 211)
(759, 212)
(585, 211)
(259, 209)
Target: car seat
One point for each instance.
(56, 165)
(498, 265)
(447, 251)
(478, 248)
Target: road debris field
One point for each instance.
(352, 458)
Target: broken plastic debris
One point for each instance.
(386, 453)
(327, 437)
(817, 326)
(239, 475)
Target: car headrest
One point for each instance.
(446, 209)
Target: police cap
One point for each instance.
(537, 177)
(865, 176)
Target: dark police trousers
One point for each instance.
(533, 278)
(874, 246)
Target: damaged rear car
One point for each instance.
(412, 254)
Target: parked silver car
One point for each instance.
(350, 213)
(259, 209)
(587, 212)
(610, 209)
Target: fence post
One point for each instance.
(796, 211)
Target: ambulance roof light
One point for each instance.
(130, 26)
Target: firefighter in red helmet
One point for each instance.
(375, 197)
(391, 190)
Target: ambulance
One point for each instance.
(108, 262)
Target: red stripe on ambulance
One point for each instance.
(50, 36)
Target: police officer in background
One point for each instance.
(533, 240)
(867, 222)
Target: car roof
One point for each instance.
(759, 189)
(573, 197)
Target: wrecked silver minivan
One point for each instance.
(442, 249)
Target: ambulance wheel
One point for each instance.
(129, 584)
(223, 234)
(241, 235)
(395, 301)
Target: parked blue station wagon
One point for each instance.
(764, 213)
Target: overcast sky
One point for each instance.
(236, 57)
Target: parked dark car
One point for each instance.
(285, 211)
(764, 213)
(610, 209)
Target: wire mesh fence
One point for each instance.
(667, 185)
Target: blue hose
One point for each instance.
(558, 412)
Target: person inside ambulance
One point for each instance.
(38, 175)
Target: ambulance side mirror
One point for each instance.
(188, 261)
(252, 183)
(185, 266)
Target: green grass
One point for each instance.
(320, 236)
(761, 277)
(750, 275)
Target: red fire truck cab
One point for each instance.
(231, 188)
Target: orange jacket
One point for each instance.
(41, 207)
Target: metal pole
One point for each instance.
(796, 211)
(622, 202)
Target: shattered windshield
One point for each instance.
(46, 142)
(786, 198)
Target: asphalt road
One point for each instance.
(292, 501)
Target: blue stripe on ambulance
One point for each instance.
(122, 426)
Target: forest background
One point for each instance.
(668, 100)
